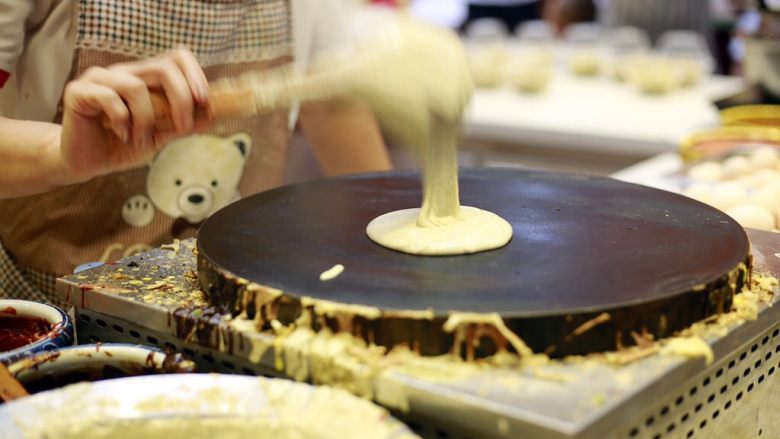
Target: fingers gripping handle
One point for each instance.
(222, 104)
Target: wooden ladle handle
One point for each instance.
(10, 388)
(222, 103)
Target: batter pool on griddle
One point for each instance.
(441, 226)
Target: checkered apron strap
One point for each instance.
(217, 31)
(15, 285)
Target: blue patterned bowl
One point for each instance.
(60, 335)
(94, 362)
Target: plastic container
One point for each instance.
(722, 141)
(752, 115)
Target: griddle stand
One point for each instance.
(657, 397)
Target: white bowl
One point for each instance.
(197, 406)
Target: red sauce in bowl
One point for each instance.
(16, 332)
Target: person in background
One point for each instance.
(747, 23)
(510, 12)
(71, 194)
(563, 13)
(658, 16)
(714, 20)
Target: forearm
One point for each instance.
(30, 159)
(345, 137)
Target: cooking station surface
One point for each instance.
(155, 298)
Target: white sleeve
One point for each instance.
(13, 17)
(319, 25)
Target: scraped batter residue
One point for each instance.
(332, 273)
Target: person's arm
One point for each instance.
(30, 159)
(345, 137)
(36, 156)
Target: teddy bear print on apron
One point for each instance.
(112, 216)
(190, 179)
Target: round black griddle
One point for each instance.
(653, 260)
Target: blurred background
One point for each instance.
(628, 88)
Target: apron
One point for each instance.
(114, 216)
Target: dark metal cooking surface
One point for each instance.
(581, 244)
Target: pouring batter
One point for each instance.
(425, 102)
(441, 226)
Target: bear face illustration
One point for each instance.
(194, 176)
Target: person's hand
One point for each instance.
(120, 94)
